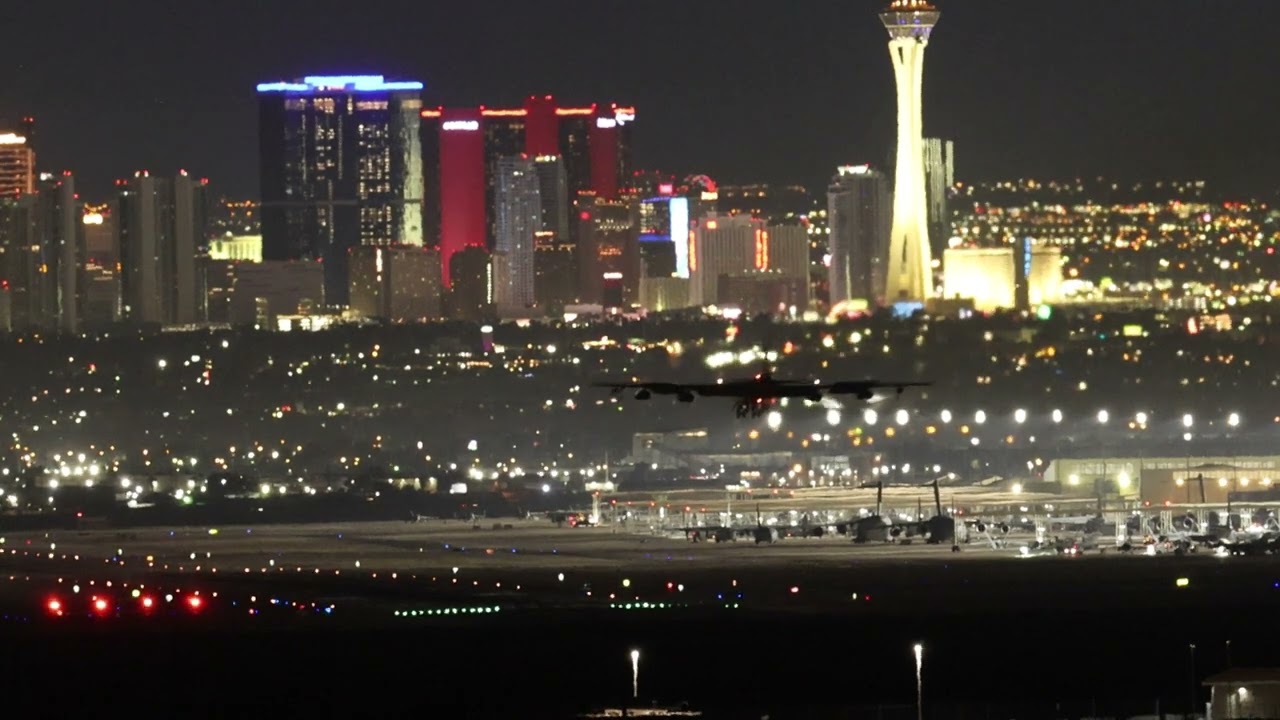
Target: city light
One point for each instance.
(902, 417)
(773, 420)
(635, 673)
(1057, 416)
(870, 417)
(980, 417)
(1103, 417)
(918, 650)
(833, 417)
(1188, 421)
(1019, 416)
(1233, 419)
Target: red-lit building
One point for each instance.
(462, 145)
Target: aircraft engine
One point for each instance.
(644, 394)
(685, 397)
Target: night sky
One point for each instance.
(744, 90)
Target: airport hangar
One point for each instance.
(1158, 481)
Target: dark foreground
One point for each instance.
(1106, 637)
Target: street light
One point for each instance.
(980, 417)
(833, 417)
(1103, 417)
(946, 416)
(902, 417)
(870, 417)
(1057, 416)
(635, 674)
(1191, 686)
(1233, 419)
(919, 651)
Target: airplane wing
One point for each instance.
(663, 388)
(865, 389)
(654, 387)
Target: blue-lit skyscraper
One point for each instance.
(341, 166)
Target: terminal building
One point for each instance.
(1252, 693)
(1158, 481)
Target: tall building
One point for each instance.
(723, 245)
(42, 257)
(159, 223)
(470, 292)
(743, 246)
(786, 252)
(100, 234)
(662, 294)
(664, 221)
(939, 178)
(259, 293)
(461, 148)
(101, 303)
(859, 214)
(608, 251)
(62, 240)
(555, 270)
(519, 219)
(17, 161)
(909, 23)
(341, 166)
(395, 284)
(1020, 276)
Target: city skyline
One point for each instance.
(1087, 99)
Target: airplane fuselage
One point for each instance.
(761, 390)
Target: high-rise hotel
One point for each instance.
(341, 167)
(462, 148)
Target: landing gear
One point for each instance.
(751, 408)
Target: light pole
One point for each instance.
(919, 650)
(635, 674)
(1191, 686)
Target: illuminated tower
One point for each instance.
(909, 23)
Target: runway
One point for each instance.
(424, 547)
(532, 563)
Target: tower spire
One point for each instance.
(910, 274)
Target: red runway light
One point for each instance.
(55, 606)
(195, 602)
(100, 605)
(147, 602)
